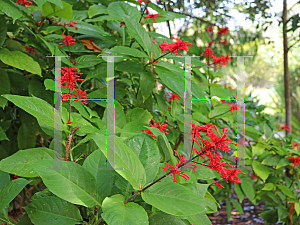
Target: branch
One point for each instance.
(198, 18)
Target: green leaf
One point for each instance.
(198, 116)
(146, 84)
(3, 135)
(20, 162)
(134, 171)
(79, 182)
(199, 219)
(4, 179)
(120, 120)
(20, 60)
(10, 9)
(228, 209)
(139, 33)
(268, 187)
(237, 206)
(121, 10)
(159, 218)
(54, 210)
(268, 132)
(204, 173)
(88, 29)
(247, 187)
(3, 30)
(122, 50)
(89, 61)
(147, 151)
(11, 190)
(252, 132)
(95, 163)
(258, 149)
(270, 216)
(282, 213)
(96, 10)
(239, 192)
(4, 86)
(138, 115)
(174, 199)
(37, 107)
(285, 190)
(220, 92)
(261, 170)
(217, 112)
(26, 137)
(50, 9)
(115, 212)
(272, 161)
(297, 208)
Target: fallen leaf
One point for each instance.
(91, 45)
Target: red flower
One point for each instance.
(67, 40)
(153, 16)
(224, 42)
(207, 53)
(161, 128)
(182, 160)
(216, 184)
(209, 29)
(295, 160)
(73, 62)
(221, 60)
(71, 24)
(292, 206)
(283, 126)
(172, 97)
(21, 2)
(175, 170)
(28, 49)
(153, 41)
(174, 47)
(145, 1)
(122, 24)
(295, 145)
(233, 108)
(210, 43)
(223, 31)
(16, 176)
(142, 24)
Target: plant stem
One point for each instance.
(156, 59)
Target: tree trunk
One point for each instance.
(288, 110)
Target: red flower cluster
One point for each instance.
(71, 24)
(295, 145)
(153, 16)
(174, 47)
(69, 77)
(224, 42)
(175, 169)
(67, 40)
(295, 161)
(223, 31)
(25, 2)
(161, 128)
(233, 108)
(209, 29)
(172, 97)
(220, 60)
(28, 49)
(283, 126)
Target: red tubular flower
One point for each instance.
(172, 97)
(161, 128)
(73, 62)
(153, 16)
(67, 40)
(182, 161)
(25, 2)
(233, 108)
(295, 161)
(221, 60)
(216, 184)
(69, 77)
(294, 145)
(71, 24)
(153, 40)
(223, 31)
(207, 53)
(141, 1)
(209, 29)
(175, 170)
(174, 47)
(28, 49)
(283, 126)
(210, 43)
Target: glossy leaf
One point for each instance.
(218, 111)
(4, 86)
(50, 9)
(174, 199)
(20, 60)
(121, 10)
(10, 9)
(4, 179)
(285, 190)
(122, 50)
(261, 170)
(53, 210)
(20, 163)
(3, 30)
(115, 212)
(96, 10)
(80, 183)
(138, 115)
(247, 187)
(159, 218)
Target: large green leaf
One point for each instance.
(146, 84)
(134, 171)
(10, 9)
(20, 162)
(218, 111)
(261, 170)
(204, 173)
(88, 29)
(26, 137)
(95, 163)
(4, 179)
(3, 30)
(37, 107)
(3, 135)
(138, 115)
(147, 151)
(174, 199)
(139, 33)
(53, 210)
(161, 218)
(199, 219)
(11, 190)
(96, 10)
(89, 61)
(50, 9)
(115, 212)
(79, 183)
(247, 187)
(4, 86)
(20, 60)
(121, 10)
(130, 66)
(285, 190)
